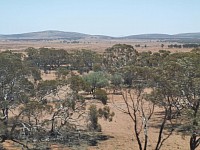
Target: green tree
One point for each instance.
(15, 88)
(77, 83)
(118, 56)
(136, 81)
(176, 84)
(189, 92)
(116, 81)
(85, 60)
(47, 59)
(96, 80)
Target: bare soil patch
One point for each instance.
(121, 128)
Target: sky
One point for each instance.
(100, 17)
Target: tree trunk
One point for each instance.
(136, 132)
(161, 131)
(52, 126)
(193, 142)
(5, 113)
(193, 139)
(146, 135)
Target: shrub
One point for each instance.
(101, 95)
(93, 119)
(106, 113)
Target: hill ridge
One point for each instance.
(56, 34)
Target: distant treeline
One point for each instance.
(184, 46)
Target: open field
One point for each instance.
(94, 45)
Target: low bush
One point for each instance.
(101, 95)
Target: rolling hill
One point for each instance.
(53, 34)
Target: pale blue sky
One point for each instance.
(108, 17)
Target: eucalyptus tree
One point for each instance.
(53, 109)
(176, 89)
(96, 80)
(85, 60)
(118, 56)
(15, 88)
(46, 58)
(77, 83)
(189, 89)
(150, 59)
(149, 83)
(165, 94)
(25, 95)
(140, 111)
(116, 81)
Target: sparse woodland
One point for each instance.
(36, 112)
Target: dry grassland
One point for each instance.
(121, 128)
(98, 46)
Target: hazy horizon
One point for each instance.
(97, 34)
(111, 18)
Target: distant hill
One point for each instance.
(165, 36)
(53, 34)
(149, 36)
(188, 35)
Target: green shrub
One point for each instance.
(93, 119)
(106, 113)
(101, 95)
